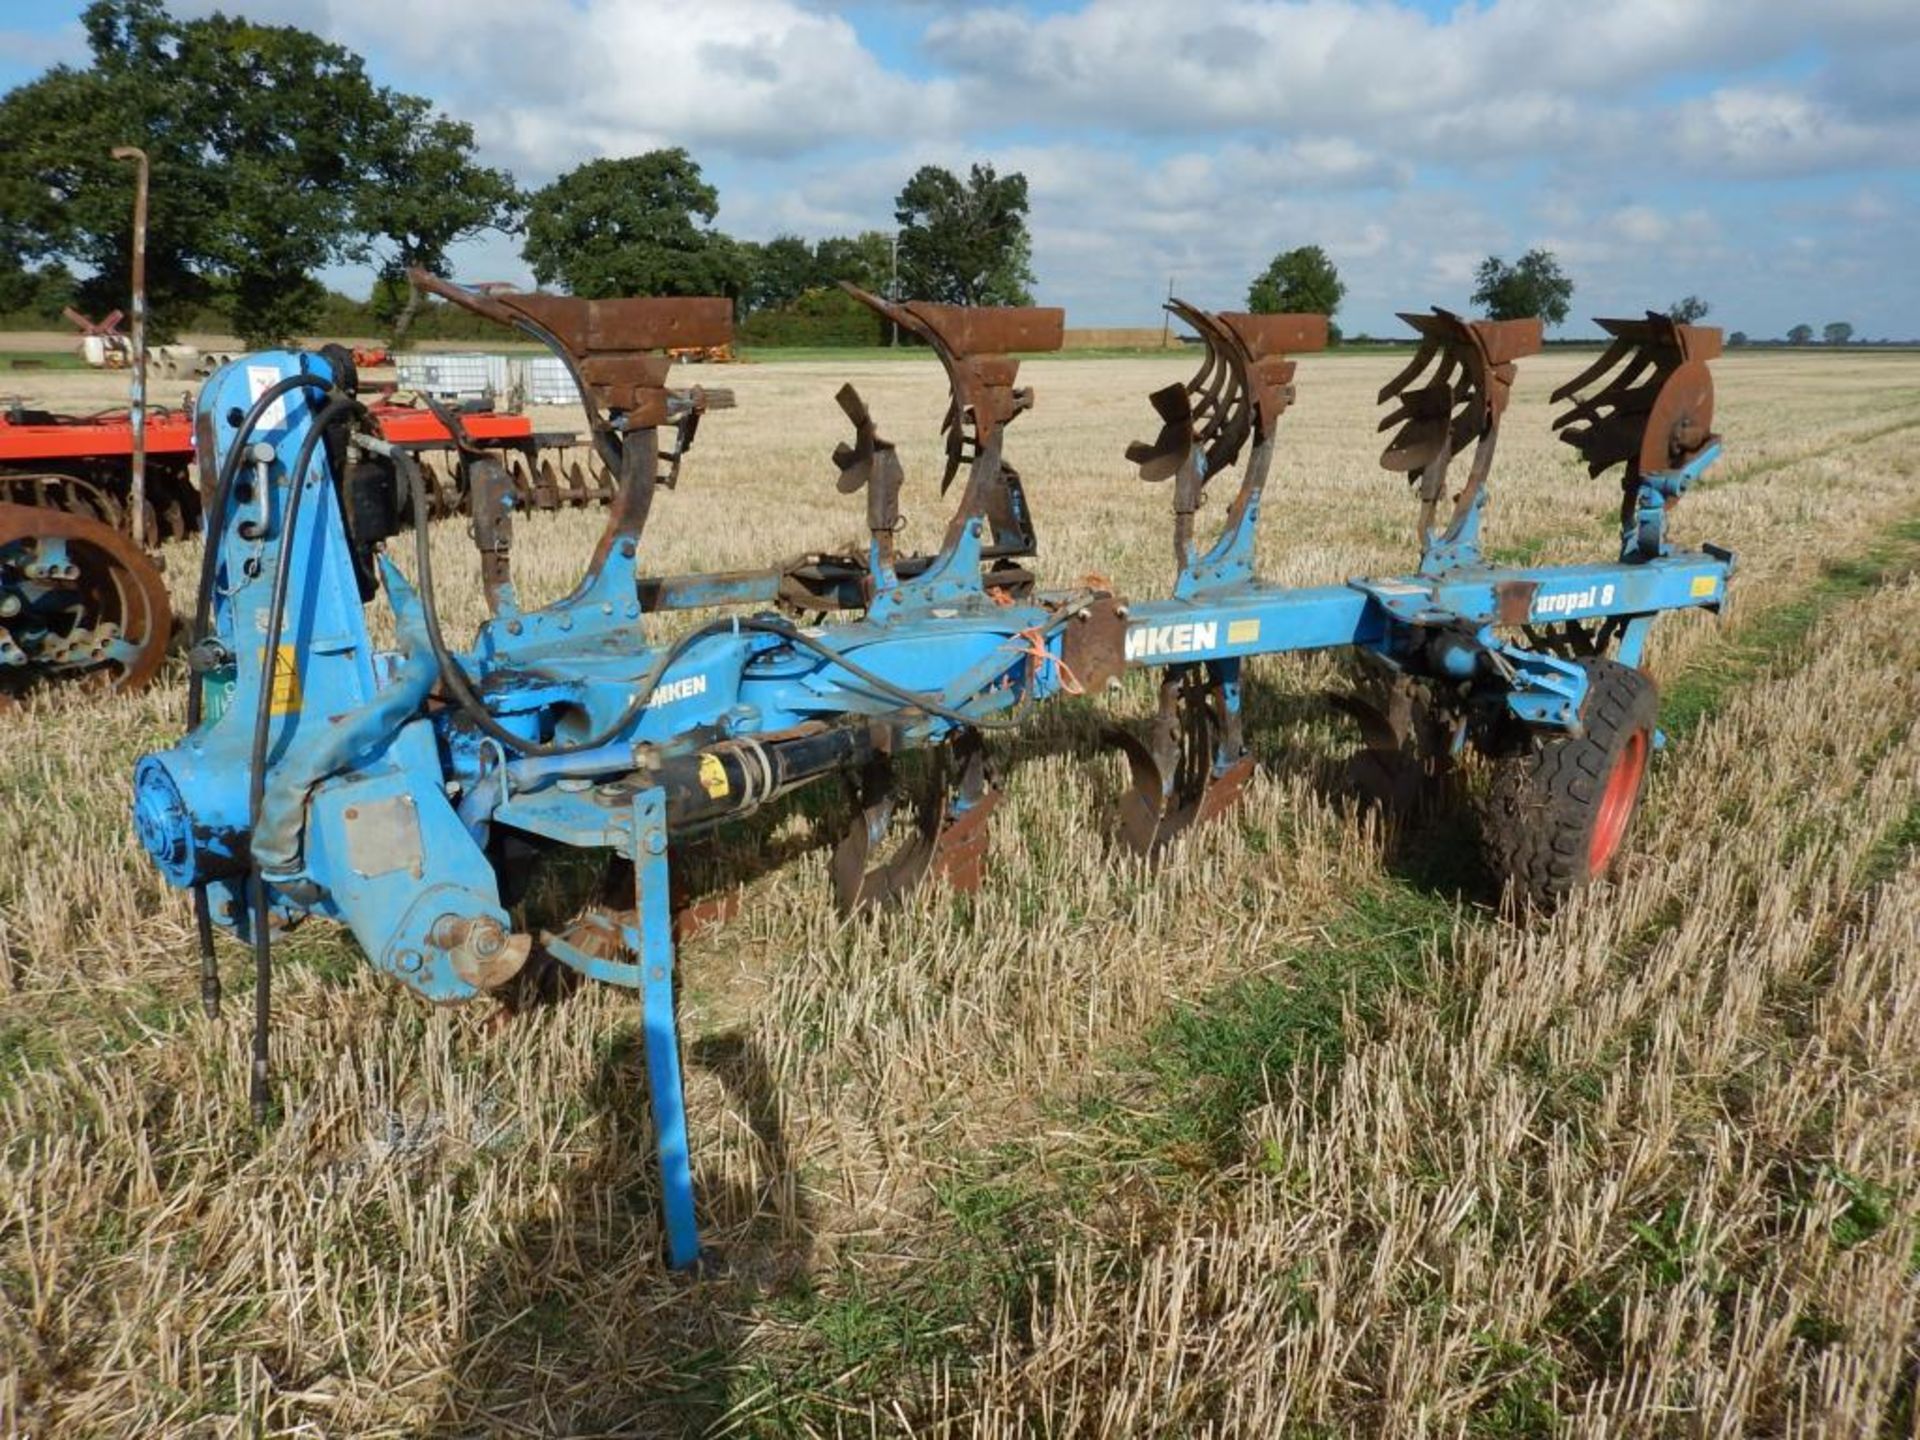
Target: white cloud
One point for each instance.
(1640, 139)
(550, 85)
(1750, 131)
(1507, 77)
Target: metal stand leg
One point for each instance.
(655, 949)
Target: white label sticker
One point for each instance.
(260, 379)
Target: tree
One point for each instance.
(1837, 332)
(641, 225)
(781, 271)
(1301, 281)
(965, 242)
(265, 143)
(865, 260)
(423, 193)
(1689, 310)
(39, 293)
(824, 315)
(1535, 286)
(1800, 335)
(1738, 337)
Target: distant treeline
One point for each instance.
(818, 317)
(338, 315)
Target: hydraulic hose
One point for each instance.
(460, 686)
(258, 1094)
(216, 517)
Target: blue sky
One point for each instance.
(1761, 153)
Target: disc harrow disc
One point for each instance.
(79, 603)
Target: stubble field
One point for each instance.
(1297, 1135)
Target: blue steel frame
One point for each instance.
(378, 801)
(1450, 621)
(378, 806)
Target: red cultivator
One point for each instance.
(80, 601)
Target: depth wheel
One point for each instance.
(79, 602)
(1557, 815)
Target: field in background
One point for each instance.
(1296, 1136)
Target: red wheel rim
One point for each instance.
(1617, 802)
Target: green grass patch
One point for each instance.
(878, 1338)
(1783, 628)
(1891, 850)
(26, 361)
(1522, 553)
(1216, 1059)
(1870, 1207)
(25, 1045)
(1519, 1382)
(1002, 1214)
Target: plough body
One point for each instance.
(1464, 634)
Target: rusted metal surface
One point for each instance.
(1513, 600)
(1093, 648)
(960, 847)
(1267, 341)
(100, 616)
(1655, 411)
(482, 951)
(613, 345)
(1206, 421)
(491, 492)
(1465, 369)
(1194, 766)
(984, 330)
(1243, 387)
(598, 930)
(973, 344)
(696, 917)
(873, 465)
(1190, 771)
(1406, 740)
(947, 838)
(612, 348)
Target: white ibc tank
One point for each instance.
(455, 376)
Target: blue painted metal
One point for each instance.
(569, 725)
(1644, 537)
(652, 940)
(1488, 642)
(1445, 620)
(377, 808)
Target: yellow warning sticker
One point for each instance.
(286, 682)
(1243, 632)
(1705, 584)
(713, 776)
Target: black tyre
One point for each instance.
(1557, 814)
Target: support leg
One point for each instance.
(654, 945)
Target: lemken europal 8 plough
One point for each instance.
(399, 792)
